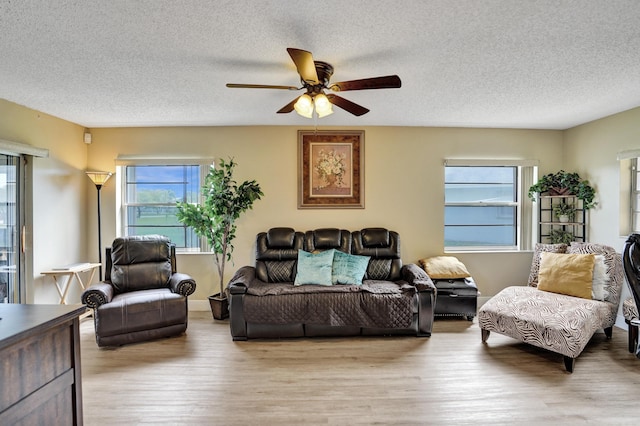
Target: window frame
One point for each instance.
(635, 196)
(123, 162)
(525, 215)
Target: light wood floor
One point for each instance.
(204, 378)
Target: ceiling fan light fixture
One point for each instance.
(322, 104)
(304, 106)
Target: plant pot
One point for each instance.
(219, 306)
(563, 218)
(559, 191)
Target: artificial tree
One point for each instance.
(215, 219)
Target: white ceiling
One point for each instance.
(549, 64)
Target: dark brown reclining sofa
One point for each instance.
(393, 299)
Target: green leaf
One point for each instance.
(223, 203)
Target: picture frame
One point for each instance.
(331, 169)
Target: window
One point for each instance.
(149, 196)
(484, 207)
(629, 211)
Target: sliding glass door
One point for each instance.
(10, 226)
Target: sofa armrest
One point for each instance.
(236, 290)
(242, 280)
(182, 284)
(98, 294)
(417, 277)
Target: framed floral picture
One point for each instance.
(331, 169)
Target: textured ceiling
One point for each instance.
(549, 64)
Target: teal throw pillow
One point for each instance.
(348, 268)
(314, 268)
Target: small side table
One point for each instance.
(64, 275)
(456, 297)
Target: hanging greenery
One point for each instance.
(565, 183)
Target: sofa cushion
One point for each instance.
(570, 274)
(140, 263)
(375, 237)
(314, 268)
(444, 268)
(326, 239)
(348, 268)
(600, 278)
(535, 262)
(280, 237)
(613, 262)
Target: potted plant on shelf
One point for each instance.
(559, 236)
(564, 212)
(565, 183)
(215, 219)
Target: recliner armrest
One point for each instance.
(182, 284)
(417, 277)
(98, 294)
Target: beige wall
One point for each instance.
(59, 193)
(591, 150)
(403, 185)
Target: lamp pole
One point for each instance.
(99, 187)
(99, 179)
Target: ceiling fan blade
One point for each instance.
(386, 82)
(305, 65)
(260, 86)
(346, 105)
(288, 107)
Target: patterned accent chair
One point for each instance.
(631, 261)
(142, 296)
(556, 322)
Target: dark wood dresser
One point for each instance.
(40, 375)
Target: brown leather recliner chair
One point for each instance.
(142, 296)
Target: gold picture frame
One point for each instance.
(331, 169)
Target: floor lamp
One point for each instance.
(99, 179)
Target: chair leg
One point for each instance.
(569, 363)
(608, 332)
(485, 335)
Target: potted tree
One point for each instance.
(565, 183)
(214, 219)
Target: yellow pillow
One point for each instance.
(570, 274)
(444, 267)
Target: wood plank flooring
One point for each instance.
(204, 378)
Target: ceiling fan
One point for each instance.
(314, 76)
